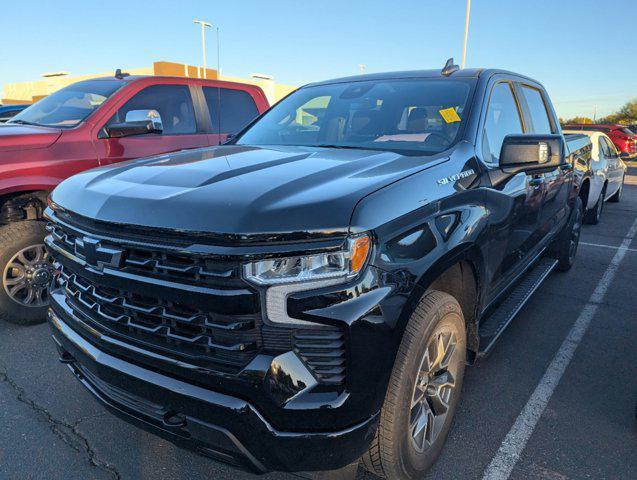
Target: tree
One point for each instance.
(629, 112)
(576, 120)
(626, 114)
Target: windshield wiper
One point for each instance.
(24, 122)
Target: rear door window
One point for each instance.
(237, 109)
(603, 147)
(610, 148)
(503, 118)
(172, 102)
(537, 110)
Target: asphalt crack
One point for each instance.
(67, 432)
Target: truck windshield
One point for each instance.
(410, 116)
(69, 106)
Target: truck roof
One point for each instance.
(133, 78)
(437, 73)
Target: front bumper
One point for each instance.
(220, 426)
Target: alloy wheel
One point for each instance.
(433, 389)
(27, 276)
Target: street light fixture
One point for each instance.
(203, 41)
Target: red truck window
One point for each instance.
(172, 102)
(237, 108)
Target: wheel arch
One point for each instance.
(460, 273)
(22, 205)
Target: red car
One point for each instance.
(623, 138)
(90, 124)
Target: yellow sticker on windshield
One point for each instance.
(449, 115)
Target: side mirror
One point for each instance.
(529, 153)
(137, 122)
(145, 115)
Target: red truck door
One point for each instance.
(170, 104)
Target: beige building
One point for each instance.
(29, 92)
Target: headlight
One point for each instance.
(50, 203)
(321, 266)
(287, 275)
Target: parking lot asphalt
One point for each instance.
(51, 428)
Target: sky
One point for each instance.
(583, 51)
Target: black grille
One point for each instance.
(230, 340)
(161, 298)
(147, 260)
(218, 326)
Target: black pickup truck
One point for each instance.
(310, 293)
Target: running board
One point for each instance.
(492, 327)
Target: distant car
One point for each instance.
(608, 170)
(7, 112)
(624, 138)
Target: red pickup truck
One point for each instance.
(90, 124)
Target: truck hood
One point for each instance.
(238, 189)
(26, 137)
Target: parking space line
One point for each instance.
(511, 448)
(606, 246)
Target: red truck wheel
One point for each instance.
(26, 272)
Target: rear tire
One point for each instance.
(617, 196)
(24, 267)
(565, 245)
(423, 391)
(593, 215)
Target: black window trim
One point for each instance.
(202, 115)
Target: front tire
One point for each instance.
(423, 391)
(25, 273)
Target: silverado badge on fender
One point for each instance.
(456, 177)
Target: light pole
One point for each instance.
(466, 33)
(203, 41)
